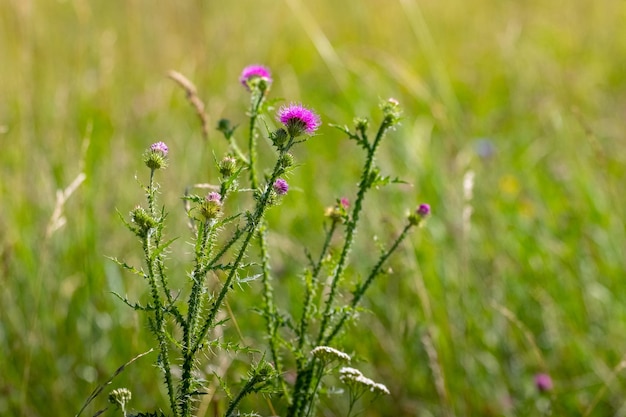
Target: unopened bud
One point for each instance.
(227, 166)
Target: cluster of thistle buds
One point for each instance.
(356, 381)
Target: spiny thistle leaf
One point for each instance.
(128, 267)
(161, 248)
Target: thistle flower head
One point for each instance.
(339, 212)
(298, 120)
(543, 382)
(159, 147)
(417, 218)
(214, 197)
(154, 157)
(256, 76)
(280, 186)
(211, 206)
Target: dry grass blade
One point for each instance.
(58, 220)
(192, 96)
(437, 371)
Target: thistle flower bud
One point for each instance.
(142, 219)
(417, 218)
(265, 369)
(280, 186)
(256, 77)
(543, 382)
(361, 123)
(154, 157)
(211, 206)
(227, 166)
(279, 137)
(391, 111)
(286, 160)
(339, 212)
(225, 127)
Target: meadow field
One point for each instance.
(513, 125)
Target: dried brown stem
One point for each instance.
(192, 96)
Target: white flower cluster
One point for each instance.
(328, 354)
(355, 379)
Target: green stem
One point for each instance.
(244, 391)
(358, 294)
(301, 387)
(364, 185)
(159, 322)
(318, 378)
(270, 308)
(193, 313)
(156, 299)
(308, 298)
(255, 104)
(151, 202)
(252, 226)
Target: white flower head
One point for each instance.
(329, 354)
(355, 380)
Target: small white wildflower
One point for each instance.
(347, 372)
(355, 380)
(363, 380)
(328, 354)
(380, 388)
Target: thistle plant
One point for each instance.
(232, 248)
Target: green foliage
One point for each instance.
(532, 282)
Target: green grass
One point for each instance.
(469, 314)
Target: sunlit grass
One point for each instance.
(472, 310)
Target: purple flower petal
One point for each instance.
(298, 119)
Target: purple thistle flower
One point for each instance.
(345, 203)
(298, 119)
(254, 71)
(211, 207)
(159, 147)
(543, 382)
(281, 187)
(423, 210)
(213, 196)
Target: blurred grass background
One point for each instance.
(526, 100)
